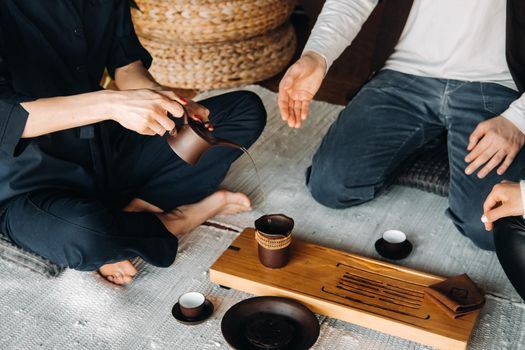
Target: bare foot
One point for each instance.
(119, 273)
(186, 217)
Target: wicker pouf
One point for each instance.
(227, 64)
(208, 44)
(209, 21)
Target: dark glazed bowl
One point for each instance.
(274, 323)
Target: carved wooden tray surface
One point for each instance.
(349, 287)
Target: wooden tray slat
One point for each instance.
(349, 287)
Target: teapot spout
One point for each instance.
(226, 143)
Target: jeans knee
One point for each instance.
(480, 237)
(470, 225)
(331, 191)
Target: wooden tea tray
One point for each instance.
(370, 293)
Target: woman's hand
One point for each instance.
(195, 110)
(199, 113)
(146, 111)
(504, 200)
(135, 76)
(298, 87)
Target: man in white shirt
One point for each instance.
(448, 72)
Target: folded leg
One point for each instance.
(383, 125)
(147, 168)
(84, 234)
(466, 105)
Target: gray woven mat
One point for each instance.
(75, 311)
(13, 254)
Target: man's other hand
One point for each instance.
(494, 143)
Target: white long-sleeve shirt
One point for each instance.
(450, 39)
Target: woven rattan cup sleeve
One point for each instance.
(273, 243)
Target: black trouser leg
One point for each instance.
(148, 168)
(83, 233)
(509, 238)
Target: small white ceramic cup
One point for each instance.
(394, 236)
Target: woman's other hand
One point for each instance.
(298, 87)
(199, 113)
(146, 111)
(195, 110)
(504, 200)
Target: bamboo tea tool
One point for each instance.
(370, 293)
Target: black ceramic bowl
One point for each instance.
(270, 323)
(393, 245)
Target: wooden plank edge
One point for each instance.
(330, 309)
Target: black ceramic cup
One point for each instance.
(393, 245)
(191, 304)
(274, 236)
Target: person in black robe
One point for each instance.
(87, 179)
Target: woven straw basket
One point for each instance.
(224, 64)
(208, 21)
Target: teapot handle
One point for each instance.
(184, 119)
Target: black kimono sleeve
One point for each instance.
(126, 47)
(13, 117)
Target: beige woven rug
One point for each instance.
(78, 311)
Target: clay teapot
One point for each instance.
(193, 139)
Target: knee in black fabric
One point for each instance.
(331, 191)
(59, 227)
(254, 107)
(83, 234)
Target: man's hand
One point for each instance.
(504, 200)
(298, 87)
(494, 142)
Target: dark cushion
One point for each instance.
(18, 256)
(428, 170)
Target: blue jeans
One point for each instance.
(393, 116)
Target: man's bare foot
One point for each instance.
(186, 217)
(119, 273)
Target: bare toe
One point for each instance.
(119, 273)
(128, 269)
